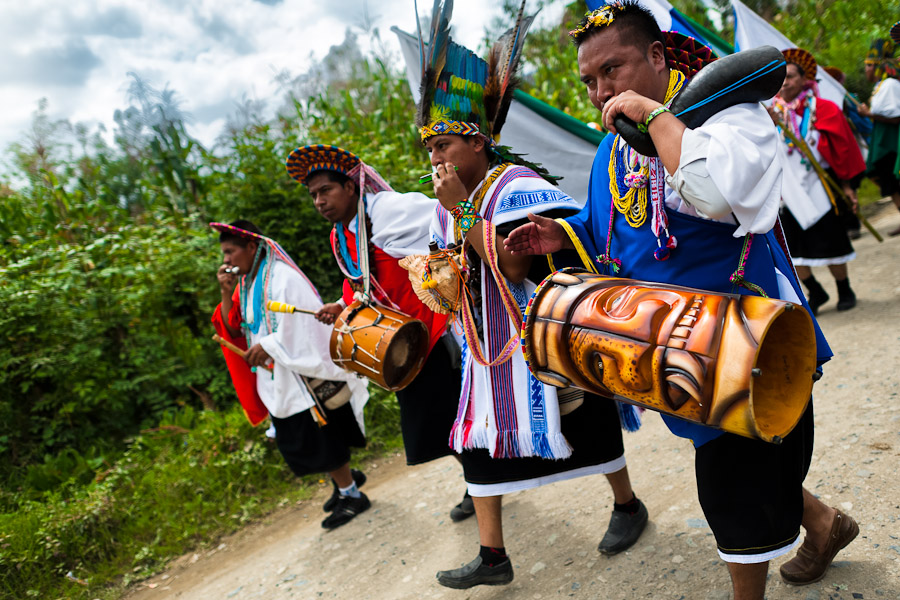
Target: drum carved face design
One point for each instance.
(653, 342)
(743, 364)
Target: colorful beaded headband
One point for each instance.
(448, 126)
(802, 59)
(895, 33)
(303, 162)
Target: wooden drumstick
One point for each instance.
(284, 307)
(235, 349)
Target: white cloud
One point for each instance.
(212, 53)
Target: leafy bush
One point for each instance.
(104, 335)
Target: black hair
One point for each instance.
(239, 240)
(636, 26)
(334, 177)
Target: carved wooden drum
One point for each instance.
(744, 364)
(384, 345)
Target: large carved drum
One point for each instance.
(384, 345)
(744, 364)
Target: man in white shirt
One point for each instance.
(285, 353)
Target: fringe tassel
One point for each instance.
(507, 445)
(560, 447)
(630, 416)
(540, 445)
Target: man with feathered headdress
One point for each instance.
(393, 226)
(687, 217)
(286, 372)
(884, 146)
(509, 428)
(812, 215)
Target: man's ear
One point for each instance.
(351, 188)
(478, 143)
(252, 246)
(656, 54)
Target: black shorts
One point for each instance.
(593, 430)
(882, 173)
(308, 448)
(428, 407)
(751, 491)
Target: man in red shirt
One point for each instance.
(397, 226)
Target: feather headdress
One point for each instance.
(462, 93)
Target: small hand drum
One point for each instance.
(384, 345)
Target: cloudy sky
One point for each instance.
(213, 53)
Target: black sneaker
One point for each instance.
(347, 508)
(358, 477)
(476, 573)
(463, 510)
(623, 531)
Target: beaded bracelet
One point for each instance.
(643, 127)
(465, 215)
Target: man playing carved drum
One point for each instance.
(397, 225)
(509, 428)
(285, 355)
(687, 218)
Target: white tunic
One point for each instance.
(735, 162)
(299, 345)
(886, 99)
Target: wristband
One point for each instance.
(643, 127)
(465, 215)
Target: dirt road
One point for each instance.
(393, 550)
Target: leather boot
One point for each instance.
(846, 297)
(817, 294)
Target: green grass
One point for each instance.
(177, 487)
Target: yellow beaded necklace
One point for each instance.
(633, 204)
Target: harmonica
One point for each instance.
(233, 270)
(427, 177)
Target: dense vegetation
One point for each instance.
(120, 440)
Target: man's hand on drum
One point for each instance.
(448, 187)
(541, 236)
(256, 356)
(328, 313)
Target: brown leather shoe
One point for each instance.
(809, 566)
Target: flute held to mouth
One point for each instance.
(427, 177)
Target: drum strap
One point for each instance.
(509, 302)
(317, 410)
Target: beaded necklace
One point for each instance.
(640, 174)
(260, 285)
(480, 194)
(353, 271)
(634, 170)
(797, 115)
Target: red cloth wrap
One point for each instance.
(836, 143)
(242, 377)
(394, 279)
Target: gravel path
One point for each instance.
(393, 550)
